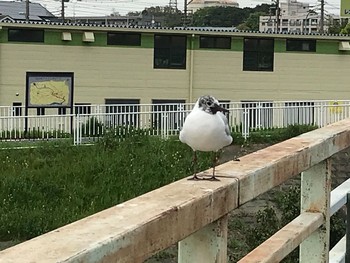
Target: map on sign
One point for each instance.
(49, 91)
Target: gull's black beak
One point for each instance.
(216, 107)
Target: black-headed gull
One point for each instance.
(206, 129)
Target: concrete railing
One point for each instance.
(194, 214)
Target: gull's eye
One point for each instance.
(209, 103)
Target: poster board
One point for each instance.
(49, 89)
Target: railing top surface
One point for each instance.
(134, 230)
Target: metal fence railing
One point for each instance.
(89, 122)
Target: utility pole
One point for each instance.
(277, 16)
(322, 17)
(62, 11)
(185, 13)
(27, 10)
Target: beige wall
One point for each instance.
(111, 72)
(296, 76)
(99, 72)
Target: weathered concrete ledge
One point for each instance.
(285, 240)
(134, 230)
(260, 171)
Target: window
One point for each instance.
(26, 35)
(215, 42)
(82, 108)
(256, 115)
(298, 113)
(258, 54)
(62, 111)
(122, 112)
(308, 45)
(170, 52)
(40, 111)
(124, 39)
(168, 114)
(17, 108)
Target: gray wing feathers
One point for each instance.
(227, 127)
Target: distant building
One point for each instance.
(295, 17)
(141, 20)
(198, 4)
(16, 11)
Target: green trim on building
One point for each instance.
(280, 45)
(3, 35)
(329, 47)
(54, 37)
(147, 40)
(237, 44)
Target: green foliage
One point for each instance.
(252, 22)
(230, 16)
(173, 19)
(245, 237)
(113, 136)
(219, 16)
(289, 203)
(345, 30)
(339, 27)
(54, 184)
(278, 134)
(267, 223)
(33, 133)
(273, 135)
(92, 127)
(338, 227)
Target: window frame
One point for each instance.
(255, 56)
(25, 35)
(167, 55)
(214, 42)
(123, 39)
(298, 45)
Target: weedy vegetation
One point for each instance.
(54, 183)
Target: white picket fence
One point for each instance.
(90, 122)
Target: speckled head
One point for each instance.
(210, 105)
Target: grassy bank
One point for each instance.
(52, 184)
(49, 186)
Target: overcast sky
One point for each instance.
(106, 7)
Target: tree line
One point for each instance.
(241, 18)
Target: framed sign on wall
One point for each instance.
(49, 89)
